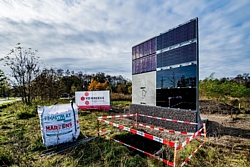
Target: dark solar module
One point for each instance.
(180, 55)
(184, 98)
(178, 35)
(177, 77)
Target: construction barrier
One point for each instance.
(175, 144)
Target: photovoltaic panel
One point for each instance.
(144, 49)
(181, 77)
(180, 34)
(143, 57)
(184, 98)
(180, 55)
(144, 64)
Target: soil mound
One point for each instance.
(214, 107)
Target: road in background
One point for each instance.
(6, 100)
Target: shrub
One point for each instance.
(25, 115)
(120, 97)
(5, 158)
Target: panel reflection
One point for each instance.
(177, 77)
(183, 98)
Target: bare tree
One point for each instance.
(24, 65)
(162, 82)
(173, 80)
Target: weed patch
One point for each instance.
(5, 159)
(25, 115)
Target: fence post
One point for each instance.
(205, 131)
(98, 128)
(175, 152)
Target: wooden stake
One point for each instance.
(175, 152)
(98, 128)
(205, 131)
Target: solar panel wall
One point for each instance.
(173, 55)
(177, 64)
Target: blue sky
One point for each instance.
(97, 36)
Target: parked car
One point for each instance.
(66, 96)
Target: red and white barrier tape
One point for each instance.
(189, 139)
(117, 116)
(147, 153)
(171, 120)
(146, 135)
(188, 158)
(165, 130)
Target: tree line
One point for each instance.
(30, 81)
(234, 90)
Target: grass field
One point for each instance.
(21, 144)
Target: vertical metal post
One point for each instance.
(205, 131)
(175, 152)
(98, 128)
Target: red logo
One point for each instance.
(82, 98)
(86, 93)
(87, 102)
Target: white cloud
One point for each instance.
(97, 36)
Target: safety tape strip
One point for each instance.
(146, 135)
(117, 116)
(165, 130)
(189, 139)
(171, 120)
(193, 153)
(147, 153)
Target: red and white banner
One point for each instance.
(99, 100)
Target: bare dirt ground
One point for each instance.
(225, 120)
(221, 125)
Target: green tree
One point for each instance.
(3, 81)
(48, 85)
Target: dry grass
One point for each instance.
(120, 97)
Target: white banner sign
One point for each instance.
(93, 99)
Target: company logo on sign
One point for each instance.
(57, 117)
(83, 98)
(93, 99)
(58, 127)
